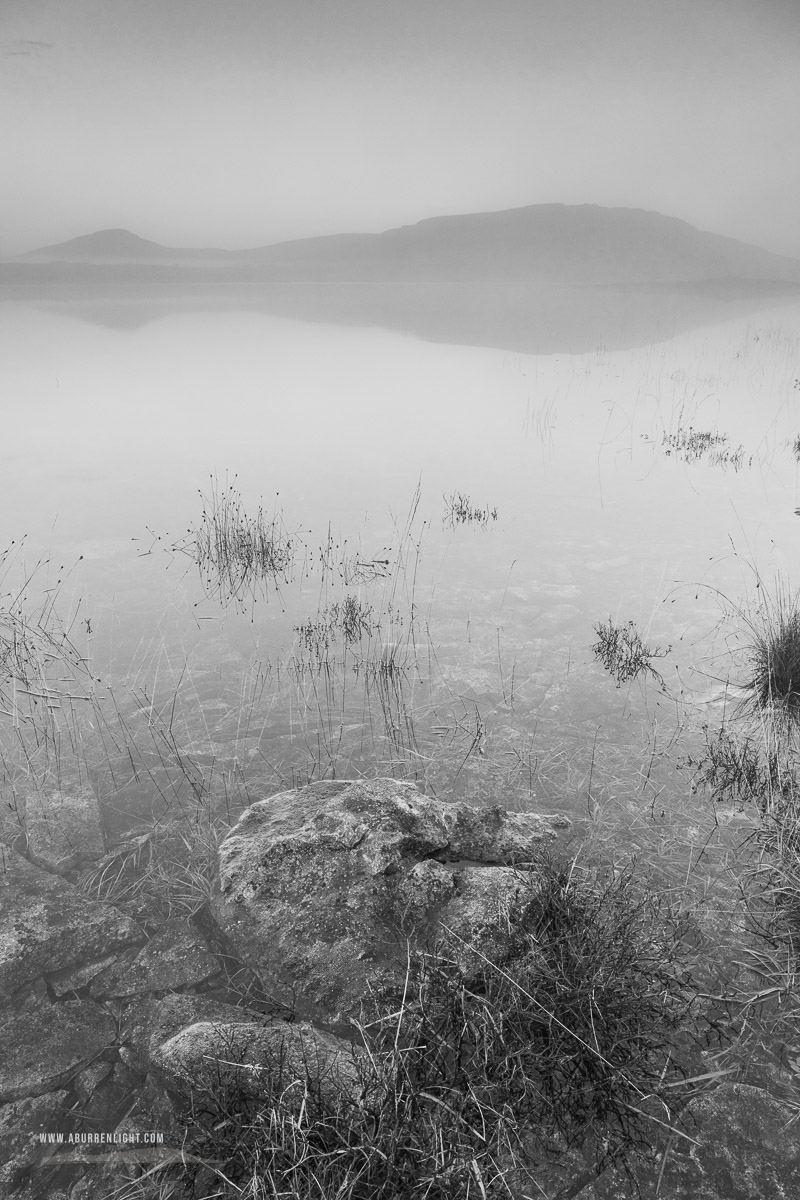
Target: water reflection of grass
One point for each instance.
(459, 509)
(691, 445)
(623, 653)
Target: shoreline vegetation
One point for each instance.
(641, 972)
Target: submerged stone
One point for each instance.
(22, 1124)
(46, 925)
(63, 826)
(45, 1045)
(175, 957)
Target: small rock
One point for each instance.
(242, 1056)
(150, 1022)
(89, 1079)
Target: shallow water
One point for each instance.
(111, 429)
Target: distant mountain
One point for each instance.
(120, 246)
(542, 243)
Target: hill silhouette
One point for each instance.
(120, 246)
(542, 243)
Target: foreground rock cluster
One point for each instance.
(107, 1022)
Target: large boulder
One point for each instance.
(322, 887)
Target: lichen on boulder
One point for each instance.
(323, 887)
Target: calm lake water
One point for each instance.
(354, 436)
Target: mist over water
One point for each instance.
(119, 432)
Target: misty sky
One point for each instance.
(245, 122)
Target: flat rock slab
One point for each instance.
(176, 957)
(63, 826)
(45, 1045)
(322, 886)
(46, 925)
(21, 1124)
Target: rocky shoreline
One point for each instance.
(108, 1021)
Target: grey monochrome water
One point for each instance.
(638, 484)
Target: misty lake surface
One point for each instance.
(355, 439)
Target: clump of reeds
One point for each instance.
(240, 555)
(562, 1029)
(623, 653)
(459, 509)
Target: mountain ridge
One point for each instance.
(548, 243)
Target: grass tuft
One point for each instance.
(773, 681)
(565, 1029)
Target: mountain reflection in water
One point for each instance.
(522, 317)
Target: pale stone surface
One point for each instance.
(45, 1045)
(46, 925)
(245, 1055)
(322, 886)
(63, 826)
(148, 1023)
